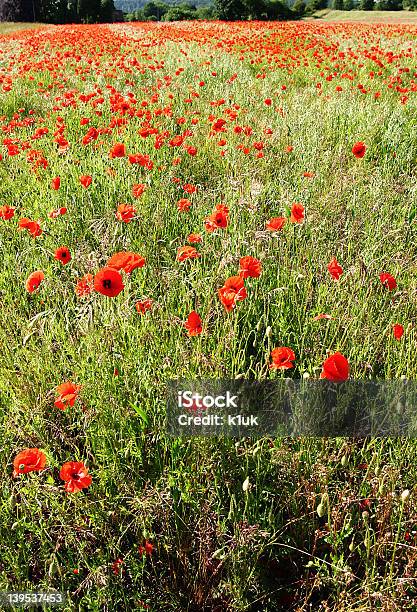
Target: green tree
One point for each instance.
(106, 11)
(316, 5)
(254, 9)
(54, 11)
(348, 5)
(389, 5)
(337, 5)
(18, 10)
(180, 12)
(299, 8)
(205, 12)
(155, 9)
(366, 5)
(229, 10)
(276, 10)
(89, 10)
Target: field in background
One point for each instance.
(365, 16)
(10, 28)
(172, 120)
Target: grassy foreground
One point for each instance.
(205, 524)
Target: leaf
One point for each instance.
(141, 413)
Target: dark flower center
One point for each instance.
(107, 283)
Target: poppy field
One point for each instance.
(201, 200)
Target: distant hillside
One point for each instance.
(128, 6)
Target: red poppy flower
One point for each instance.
(127, 261)
(194, 238)
(56, 183)
(109, 282)
(138, 190)
(188, 188)
(34, 280)
(282, 358)
(143, 305)
(322, 316)
(75, 475)
(193, 324)
(176, 141)
(32, 227)
(54, 214)
(388, 281)
(117, 150)
(297, 213)
(218, 219)
(142, 160)
(91, 135)
(86, 181)
(335, 368)
(147, 549)
(275, 224)
(250, 266)
(84, 286)
(67, 394)
(125, 213)
(29, 460)
(232, 291)
(7, 212)
(116, 566)
(63, 255)
(364, 504)
(183, 205)
(359, 149)
(187, 252)
(398, 331)
(335, 269)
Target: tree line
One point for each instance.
(57, 11)
(231, 10)
(96, 11)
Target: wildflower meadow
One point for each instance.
(198, 200)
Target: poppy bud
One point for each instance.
(405, 495)
(321, 510)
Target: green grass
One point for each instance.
(366, 16)
(11, 28)
(217, 547)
